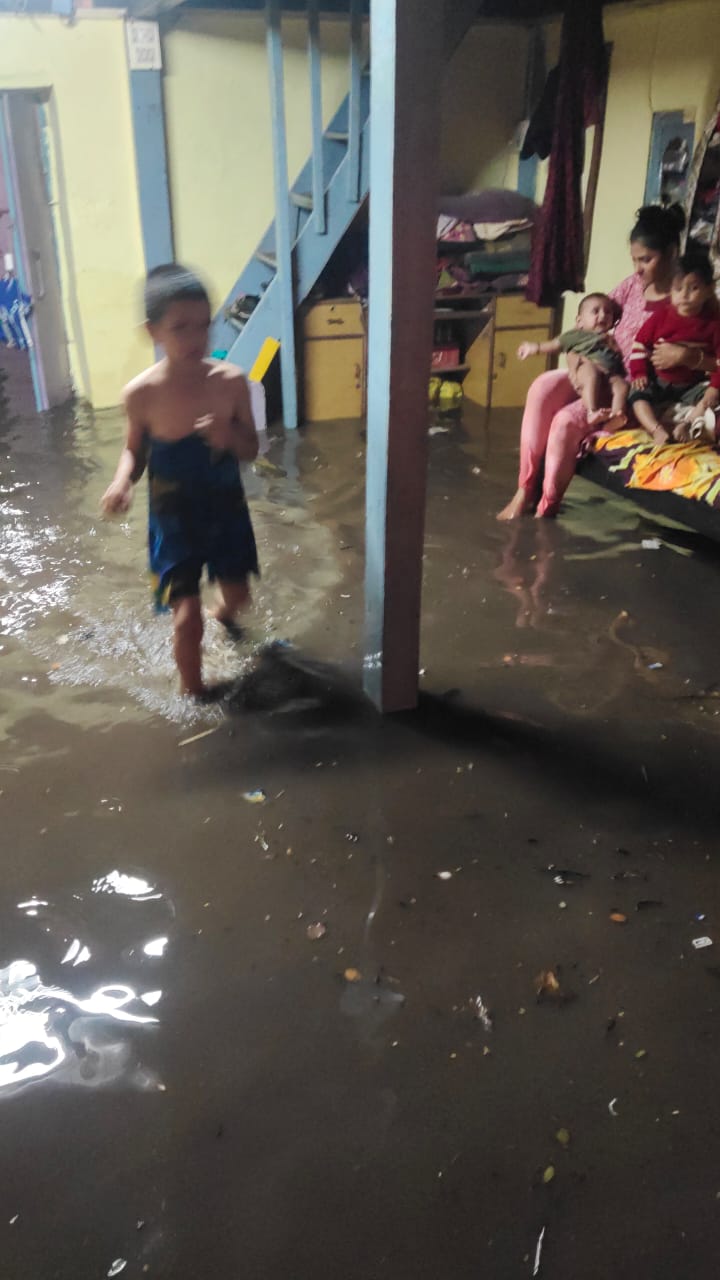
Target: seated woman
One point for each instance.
(555, 421)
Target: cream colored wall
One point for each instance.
(665, 58)
(84, 66)
(482, 105)
(217, 105)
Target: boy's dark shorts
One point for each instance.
(183, 581)
(661, 394)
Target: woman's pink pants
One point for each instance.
(553, 427)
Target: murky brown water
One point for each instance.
(189, 1086)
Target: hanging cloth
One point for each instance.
(15, 307)
(558, 246)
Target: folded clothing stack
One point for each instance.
(495, 227)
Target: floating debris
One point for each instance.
(316, 931)
(700, 943)
(14, 1220)
(482, 1013)
(443, 875)
(546, 984)
(352, 837)
(548, 1175)
(197, 736)
(563, 1137)
(118, 1265)
(352, 975)
(538, 1253)
(651, 544)
(255, 797)
(617, 917)
(612, 1108)
(655, 666)
(564, 875)
(641, 1053)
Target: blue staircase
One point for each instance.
(312, 247)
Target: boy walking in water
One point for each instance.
(190, 422)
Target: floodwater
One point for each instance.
(190, 1085)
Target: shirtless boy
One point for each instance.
(190, 423)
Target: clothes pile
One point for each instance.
(15, 307)
(484, 243)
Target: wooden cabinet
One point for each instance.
(489, 338)
(334, 360)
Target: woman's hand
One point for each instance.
(215, 432)
(667, 355)
(639, 384)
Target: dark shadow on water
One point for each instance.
(284, 682)
(577, 760)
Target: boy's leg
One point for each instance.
(187, 643)
(590, 382)
(645, 413)
(618, 416)
(234, 596)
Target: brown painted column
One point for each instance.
(406, 68)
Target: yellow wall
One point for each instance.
(84, 66)
(665, 58)
(217, 106)
(482, 105)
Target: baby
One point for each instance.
(595, 366)
(691, 320)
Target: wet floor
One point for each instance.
(191, 1084)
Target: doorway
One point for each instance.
(33, 339)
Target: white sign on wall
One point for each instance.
(143, 45)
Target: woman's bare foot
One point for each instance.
(518, 506)
(598, 417)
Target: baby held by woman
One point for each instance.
(597, 372)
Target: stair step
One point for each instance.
(302, 200)
(267, 259)
(334, 135)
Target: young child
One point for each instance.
(691, 320)
(190, 422)
(595, 366)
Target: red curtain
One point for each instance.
(558, 250)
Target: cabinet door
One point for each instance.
(511, 377)
(334, 376)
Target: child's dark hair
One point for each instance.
(603, 297)
(659, 227)
(696, 262)
(171, 283)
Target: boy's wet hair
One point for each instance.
(603, 297)
(696, 263)
(171, 283)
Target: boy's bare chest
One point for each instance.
(173, 412)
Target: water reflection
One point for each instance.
(89, 1032)
(41, 1033)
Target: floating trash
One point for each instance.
(118, 1265)
(482, 1013)
(538, 1253)
(563, 1137)
(612, 1108)
(548, 1175)
(700, 943)
(617, 917)
(443, 875)
(254, 797)
(316, 931)
(352, 975)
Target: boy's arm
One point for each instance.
(132, 460)
(639, 364)
(549, 348)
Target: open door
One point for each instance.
(24, 156)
